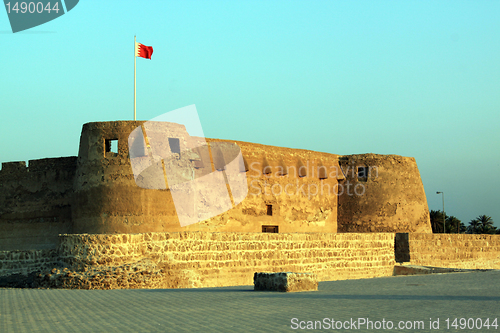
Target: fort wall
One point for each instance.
(449, 250)
(287, 182)
(106, 197)
(199, 259)
(14, 263)
(108, 200)
(35, 202)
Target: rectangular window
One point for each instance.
(270, 210)
(362, 174)
(270, 228)
(111, 146)
(174, 145)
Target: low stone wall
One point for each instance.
(449, 250)
(199, 259)
(202, 259)
(25, 262)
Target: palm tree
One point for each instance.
(486, 224)
(452, 223)
(474, 227)
(436, 217)
(483, 224)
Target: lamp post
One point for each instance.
(444, 214)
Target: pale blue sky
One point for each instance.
(413, 78)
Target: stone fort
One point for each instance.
(83, 221)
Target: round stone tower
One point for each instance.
(382, 193)
(106, 196)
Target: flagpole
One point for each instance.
(135, 66)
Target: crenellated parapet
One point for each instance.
(35, 202)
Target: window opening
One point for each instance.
(362, 174)
(322, 173)
(270, 210)
(301, 169)
(283, 170)
(218, 157)
(266, 168)
(175, 146)
(270, 228)
(111, 146)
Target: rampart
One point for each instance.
(35, 202)
(83, 222)
(22, 263)
(201, 259)
(449, 250)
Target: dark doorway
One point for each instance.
(270, 228)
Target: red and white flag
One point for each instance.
(143, 51)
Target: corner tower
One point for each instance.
(106, 197)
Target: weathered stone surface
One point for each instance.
(304, 191)
(35, 203)
(464, 251)
(199, 259)
(390, 198)
(285, 281)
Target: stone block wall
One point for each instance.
(299, 185)
(199, 259)
(203, 259)
(26, 262)
(382, 193)
(108, 200)
(35, 203)
(449, 250)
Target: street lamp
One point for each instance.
(444, 215)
